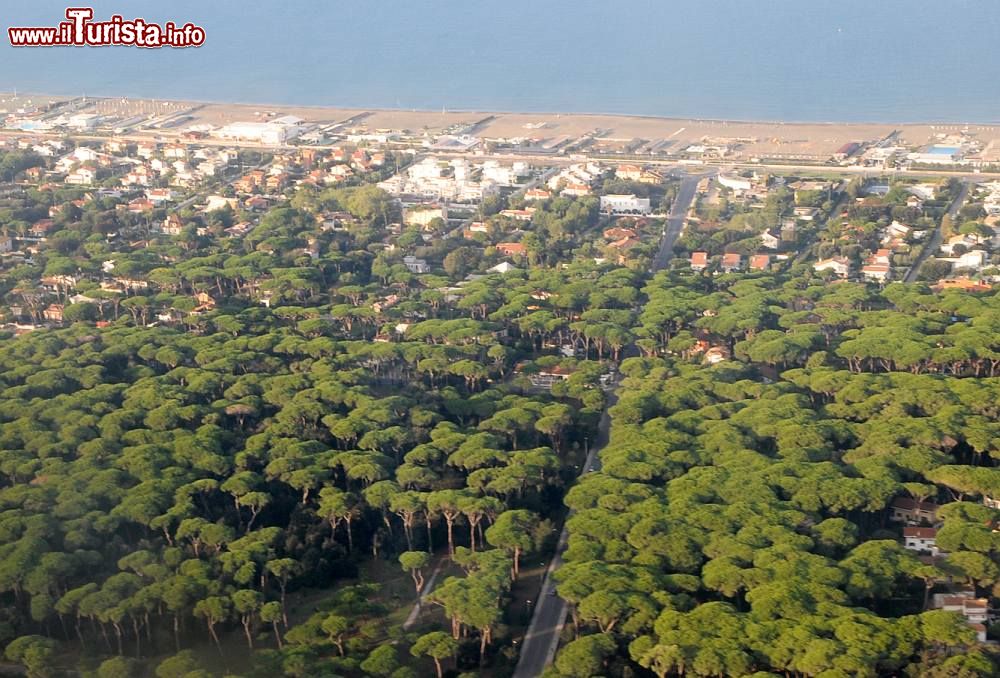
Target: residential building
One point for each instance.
(519, 215)
(898, 230)
(415, 265)
(805, 213)
(769, 240)
(159, 195)
(716, 354)
(503, 267)
(533, 194)
(140, 205)
(617, 233)
(699, 261)
(973, 259)
(547, 376)
(84, 176)
(628, 172)
(966, 241)
(881, 256)
(172, 225)
(625, 204)
(736, 183)
(975, 610)
(912, 512)
(760, 262)
(839, 265)
(576, 190)
(921, 539)
(53, 313)
(876, 272)
(42, 228)
(732, 262)
(962, 283)
(423, 215)
(512, 249)
(638, 174)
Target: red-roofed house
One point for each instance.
(42, 227)
(921, 539)
(617, 233)
(699, 261)
(519, 215)
(876, 272)
(731, 261)
(760, 262)
(537, 194)
(54, 313)
(512, 249)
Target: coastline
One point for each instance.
(610, 134)
(507, 112)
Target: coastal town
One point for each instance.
(185, 177)
(362, 391)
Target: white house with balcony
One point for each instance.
(625, 204)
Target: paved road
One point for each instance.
(675, 221)
(542, 637)
(934, 243)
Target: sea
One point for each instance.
(801, 60)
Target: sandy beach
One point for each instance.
(807, 141)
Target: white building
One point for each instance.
(83, 121)
(975, 610)
(839, 265)
(770, 240)
(578, 179)
(415, 265)
(504, 175)
(966, 241)
(736, 183)
(921, 539)
(435, 179)
(625, 204)
(81, 177)
(972, 259)
(273, 132)
(876, 272)
(422, 215)
(923, 191)
(937, 155)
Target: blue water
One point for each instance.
(852, 60)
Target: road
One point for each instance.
(934, 243)
(542, 638)
(675, 221)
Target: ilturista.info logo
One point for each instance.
(80, 30)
